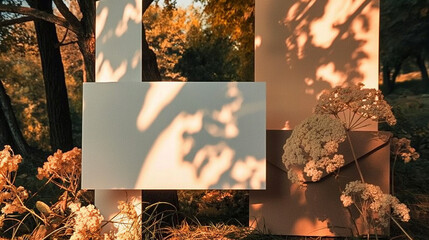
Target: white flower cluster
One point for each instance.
(367, 103)
(74, 206)
(128, 223)
(379, 202)
(314, 143)
(87, 223)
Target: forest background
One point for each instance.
(43, 65)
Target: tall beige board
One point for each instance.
(303, 47)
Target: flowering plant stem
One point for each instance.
(22, 203)
(363, 181)
(354, 157)
(400, 227)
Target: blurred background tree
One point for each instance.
(404, 39)
(22, 78)
(208, 41)
(77, 18)
(404, 45)
(21, 73)
(209, 57)
(234, 20)
(166, 31)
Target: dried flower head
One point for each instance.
(87, 223)
(2, 217)
(61, 164)
(13, 198)
(380, 204)
(128, 223)
(63, 169)
(363, 102)
(314, 143)
(8, 164)
(402, 147)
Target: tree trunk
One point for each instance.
(395, 74)
(10, 133)
(387, 88)
(87, 48)
(389, 78)
(87, 38)
(150, 71)
(5, 138)
(60, 128)
(424, 72)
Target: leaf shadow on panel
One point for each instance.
(302, 48)
(118, 29)
(200, 140)
(164, 135)
(310, 46)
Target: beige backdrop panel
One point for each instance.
(303, 47)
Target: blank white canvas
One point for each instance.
(174, 135)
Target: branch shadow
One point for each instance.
(310, 46)
(118, 48)
(205, 137)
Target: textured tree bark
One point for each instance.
(87, 37)
(60, 127)
(150, 71)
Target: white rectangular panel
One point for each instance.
(174, 135)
